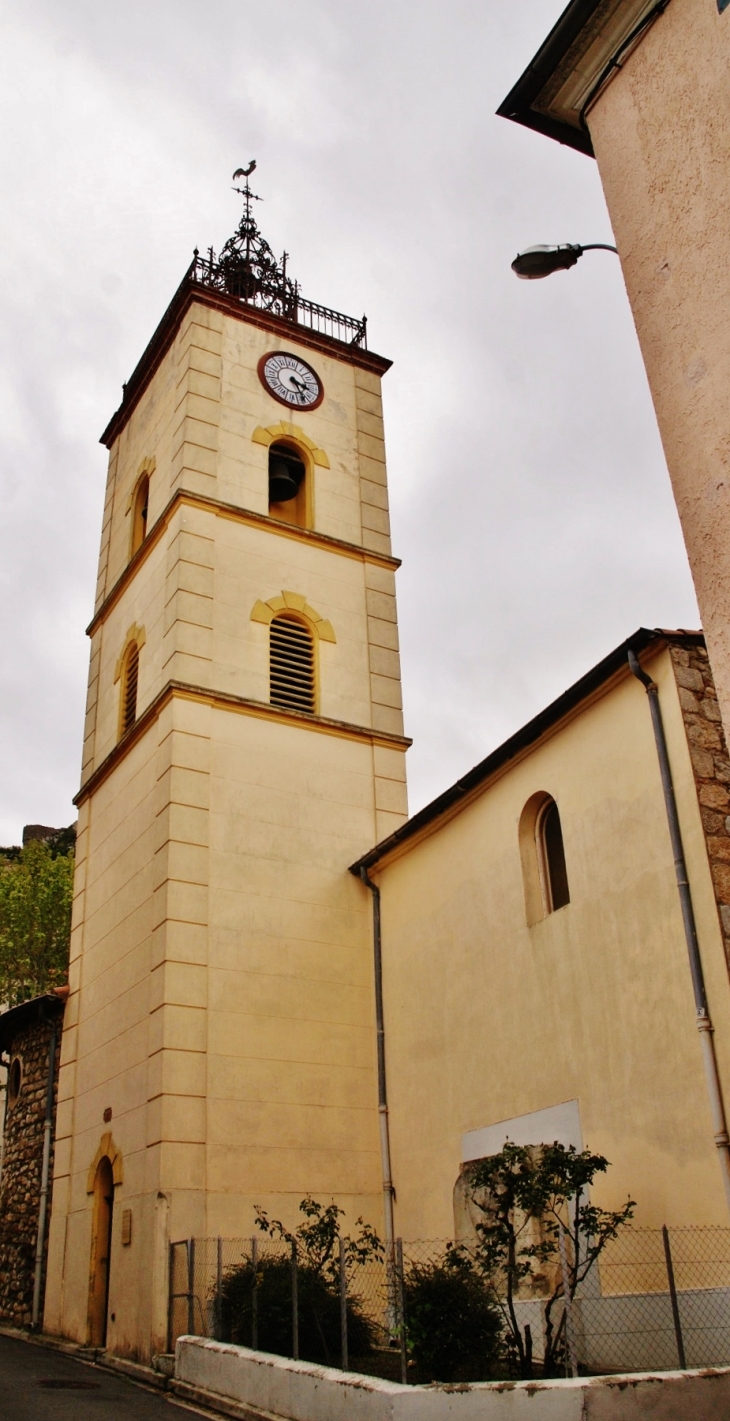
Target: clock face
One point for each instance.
(290, 380)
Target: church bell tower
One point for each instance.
(243, 745)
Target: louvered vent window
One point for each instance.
(129, 690)
(292, 665)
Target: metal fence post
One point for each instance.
(219, 1291)
(294, 1301)
(400, 1293)
(191, 1286)
(343, 1305)
(170, 1292)
(570, 1351)
(255, 1294)
(673, 1296)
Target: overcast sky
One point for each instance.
(530, 500)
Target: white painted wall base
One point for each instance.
(302, 1392)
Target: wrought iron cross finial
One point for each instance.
(246, 192)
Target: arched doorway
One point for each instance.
(101, 1245)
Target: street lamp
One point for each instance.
(536, 262)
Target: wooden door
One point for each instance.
(101, 1243)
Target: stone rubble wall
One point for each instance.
(711, 765)
(20, 1182)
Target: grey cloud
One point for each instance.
(531, 504)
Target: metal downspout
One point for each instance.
(388, 1190)
(43, 1210)
(704, 1024)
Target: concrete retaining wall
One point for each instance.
(302, 1392)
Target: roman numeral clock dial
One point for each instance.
(290, 380)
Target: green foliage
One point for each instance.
(319, 1312)
(35, 921)
(318, 1286)
(453, 1325)
(318, 1239)
(522, 1187)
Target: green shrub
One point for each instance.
(319, 1312)
(453, 1326)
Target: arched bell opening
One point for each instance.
(139, 513)
(289, 485)
(101, 1247)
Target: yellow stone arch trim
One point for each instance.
(135, 633)
(114, 1155)
(147, 467)
(284, 430)
(294, 602)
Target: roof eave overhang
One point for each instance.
(190, 291)
(458, 795)
(572, 64)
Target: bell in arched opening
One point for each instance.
(286, 473)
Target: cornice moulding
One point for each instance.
(224, 700)
(182, 497)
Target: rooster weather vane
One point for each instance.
(247, 269)
(246, 266)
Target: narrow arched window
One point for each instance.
(139, 521)
(549, 835)
(287, 485)
(291, 653)
(130, 678)
(15, 1081)
(544, 874)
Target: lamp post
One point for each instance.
(536, 262)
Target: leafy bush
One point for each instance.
(522, 1186)
(317, 1242)
(453, 1326)
(319, 1312)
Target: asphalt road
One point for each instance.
(38, 1384)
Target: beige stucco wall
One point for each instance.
(661, 133)
(488, 1019)
(221, 988)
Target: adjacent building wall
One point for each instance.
(661, 133)
(20, 1181)
(490, 1020)
(711, 767)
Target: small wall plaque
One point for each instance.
(126, 1226)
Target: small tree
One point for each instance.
(453, 1325)
(318, 1267)
(517, 1188)
(36, 890)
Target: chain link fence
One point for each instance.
(656, 1300)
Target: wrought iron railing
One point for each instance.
(279, 296)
